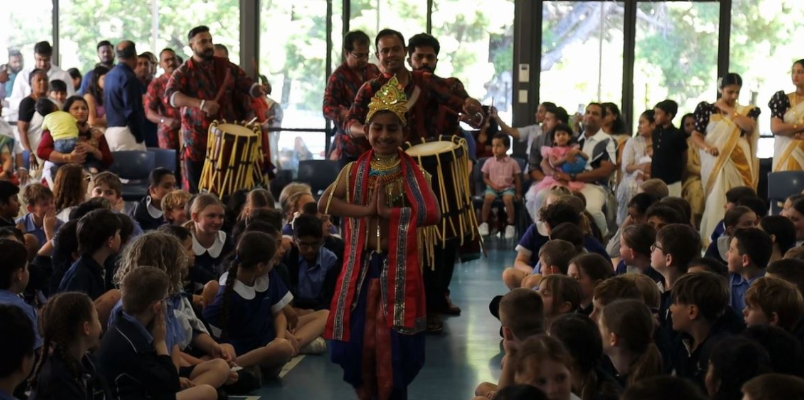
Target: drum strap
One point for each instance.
(413, 98)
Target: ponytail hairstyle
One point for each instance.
(632, 322)
(159, 250)
(257, 198)
(618, 126)
(253, 248)
(60, 322)
(199, 203)
(564, 290)
(640, 238)
(581, 337)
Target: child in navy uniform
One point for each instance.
(17, 347)
(14, 277)
(149, 212)
(211, 245)
(313, 269)
(133, 355)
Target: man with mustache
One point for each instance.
(105, 58)
(194, 88)
(434, 106)
(157, 107)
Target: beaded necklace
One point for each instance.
(386, 171)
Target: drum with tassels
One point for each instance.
(234, 159)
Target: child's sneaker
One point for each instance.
(317, 346)
(510, 232)
(483, 229)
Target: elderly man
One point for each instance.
(122, 97)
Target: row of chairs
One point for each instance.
(135, 166)
(782, 185)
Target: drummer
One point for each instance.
(201, 89)
(433, 110)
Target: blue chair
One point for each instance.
(782, 185)
(165, 158)
(133, 167)
(319, 174)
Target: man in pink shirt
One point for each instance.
(502, 177)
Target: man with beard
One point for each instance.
(43, 54)
(145, 71)
(195, 87)
(157, 107)
(433, 110)
(122, 99)
(106, 59)
(11, 70)
(342, 87)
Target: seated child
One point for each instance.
(522, 316)
(134, 356)
(656, 188)
(709, 264)
(782, 233)
(41, 221)
(192, 280)
(755, 204)
(784, 349)
(71, 329)
(13, 280)
(733, 197)
(788, 204)
(637, 207)
(210, 243)
(149, 212)
(627, 328)
(503, 179)
(17, 347)
(611, 290)
(173, 207)
(98, 240)
(9, 204)
(775, 302)
(257, 199)
(661, 214)
(292, 207)
(560, 294)
(635, 250)
(332, 242)
(699, 303)
(676, 245)
(554, 258)
(246, 296)
(664, 387)
(589, 270)
(791, 270)
(737, 218)
(773, 386)
(748, 255)
(543, 362)
(733, 362)
(566, 156)
(313, 269)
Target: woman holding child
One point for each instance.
(726, 135)
(635, 164)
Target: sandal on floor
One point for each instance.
(434, 324)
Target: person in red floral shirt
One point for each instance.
(194, 87)
(342, 87)
(157, 106)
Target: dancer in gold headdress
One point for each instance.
(378, 313)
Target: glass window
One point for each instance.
(293, 48)
(176, 19)
(83, 24)
(409, 17)
(477, 48)
(765, 41)
(582, 53)
(22, 25)
(676, 55)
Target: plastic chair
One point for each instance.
(165, 158)
(319, 174)
(134, 167)
(782, 185)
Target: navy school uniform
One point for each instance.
(211, 260)
(693, 365)
(532, 241)
(622, 268)
(250, 322)
(85, 276)
(149, 217)
(131, 366)
(57, 381)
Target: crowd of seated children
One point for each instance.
(313, 269)
(782, 233)
(560, 294)
(149, 212)
(211, 244)
(738, 217)
(635, 252)
(626, 327)
(173, 205)
(748, 255)
(589, 270)
(40, 221)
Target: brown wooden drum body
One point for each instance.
(233, 160)
(446, 159)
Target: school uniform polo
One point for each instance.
(693, 364)
(250, 322)
(7, 223)
(12, 299)
(211, 259)
(38, 231)
(622, 268)
(56, 381)
(313, 285)
(132, 368)
(147, 215)
(530, 244)
(85, 276)
(738, 288)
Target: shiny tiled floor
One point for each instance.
(466, 354)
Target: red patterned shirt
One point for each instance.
(341, 89)
(156, 100)
(434, 113)
(202, 80)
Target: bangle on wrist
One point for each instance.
(202, 105)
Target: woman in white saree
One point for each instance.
(726, 134)
(787, 124)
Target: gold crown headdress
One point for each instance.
(391, 97)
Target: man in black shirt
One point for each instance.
(669, 148)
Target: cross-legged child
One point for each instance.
(503, 179)
(98, 239)
(134, 356)
(699, 303)
(149, 212)
(748, 255)
(521, 316)
(554, 258)
(17, 347)
(386, 193)
(173, 207)
(71, 329)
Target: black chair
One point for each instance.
(133, 167)
(782, 185)
(319, 174)
(165, 158)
